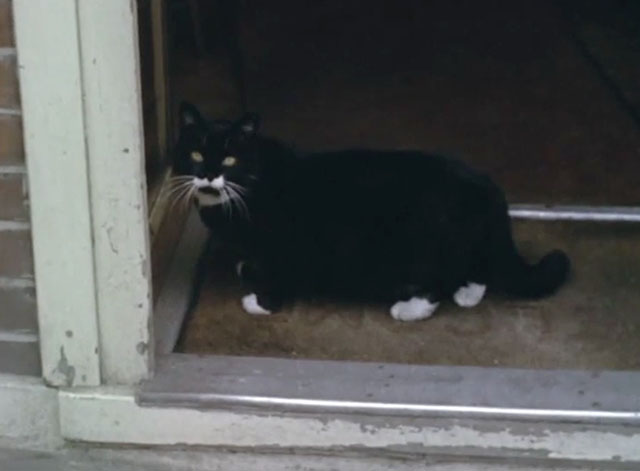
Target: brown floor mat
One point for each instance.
(593, 323)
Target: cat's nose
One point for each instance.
(217, 182)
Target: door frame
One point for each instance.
(84, 144)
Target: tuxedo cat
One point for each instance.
(403, 227)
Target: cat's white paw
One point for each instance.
(251, 306)
(469, 295)
(413, 310)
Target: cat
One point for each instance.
(215, 185)
(406, 228)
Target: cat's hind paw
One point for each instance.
(251, 306)
(413, 310)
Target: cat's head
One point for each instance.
(204, 160)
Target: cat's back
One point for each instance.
(375, 172)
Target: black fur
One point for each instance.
(368, 225)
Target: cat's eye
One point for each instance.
(196, 156)
(229, 161)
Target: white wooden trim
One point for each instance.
(111, 415)
(29, 417)
(85, 156)
(10, 112)
(18, 336)
(12, 170)
(113, 110)
(16, 283)
(11, 226)
(51, 93)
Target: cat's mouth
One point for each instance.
(220, 191)
(209, 191)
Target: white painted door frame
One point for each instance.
(82, 110)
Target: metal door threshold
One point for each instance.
(319, 387)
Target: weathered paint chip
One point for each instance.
(64, 371)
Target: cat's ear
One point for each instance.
(189, 115)
(249, 124)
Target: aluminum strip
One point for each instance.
(291, 404)
(576, 213)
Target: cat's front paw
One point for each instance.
(251, 306)
(469, 295)
(413, 310)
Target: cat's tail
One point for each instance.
(511, 274)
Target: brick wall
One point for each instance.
(18, 323)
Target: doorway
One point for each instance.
(539, 96)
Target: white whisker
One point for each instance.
(172, 192)
(181, 181)
(180, 195)
(176, 184)
(173, 182)
(189, 197)
(239, 188)
(229, 192)
(180, 190)
(223, 202)
(228, 202)
(183, 198)
(175, 191)
(237, 198)
(246, 207)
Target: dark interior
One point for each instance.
(543, 96)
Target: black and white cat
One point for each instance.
(402, 227)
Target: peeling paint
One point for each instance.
(165, 426)
(144, 266)
(110, 238)
(142, 347)
(64, 373)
